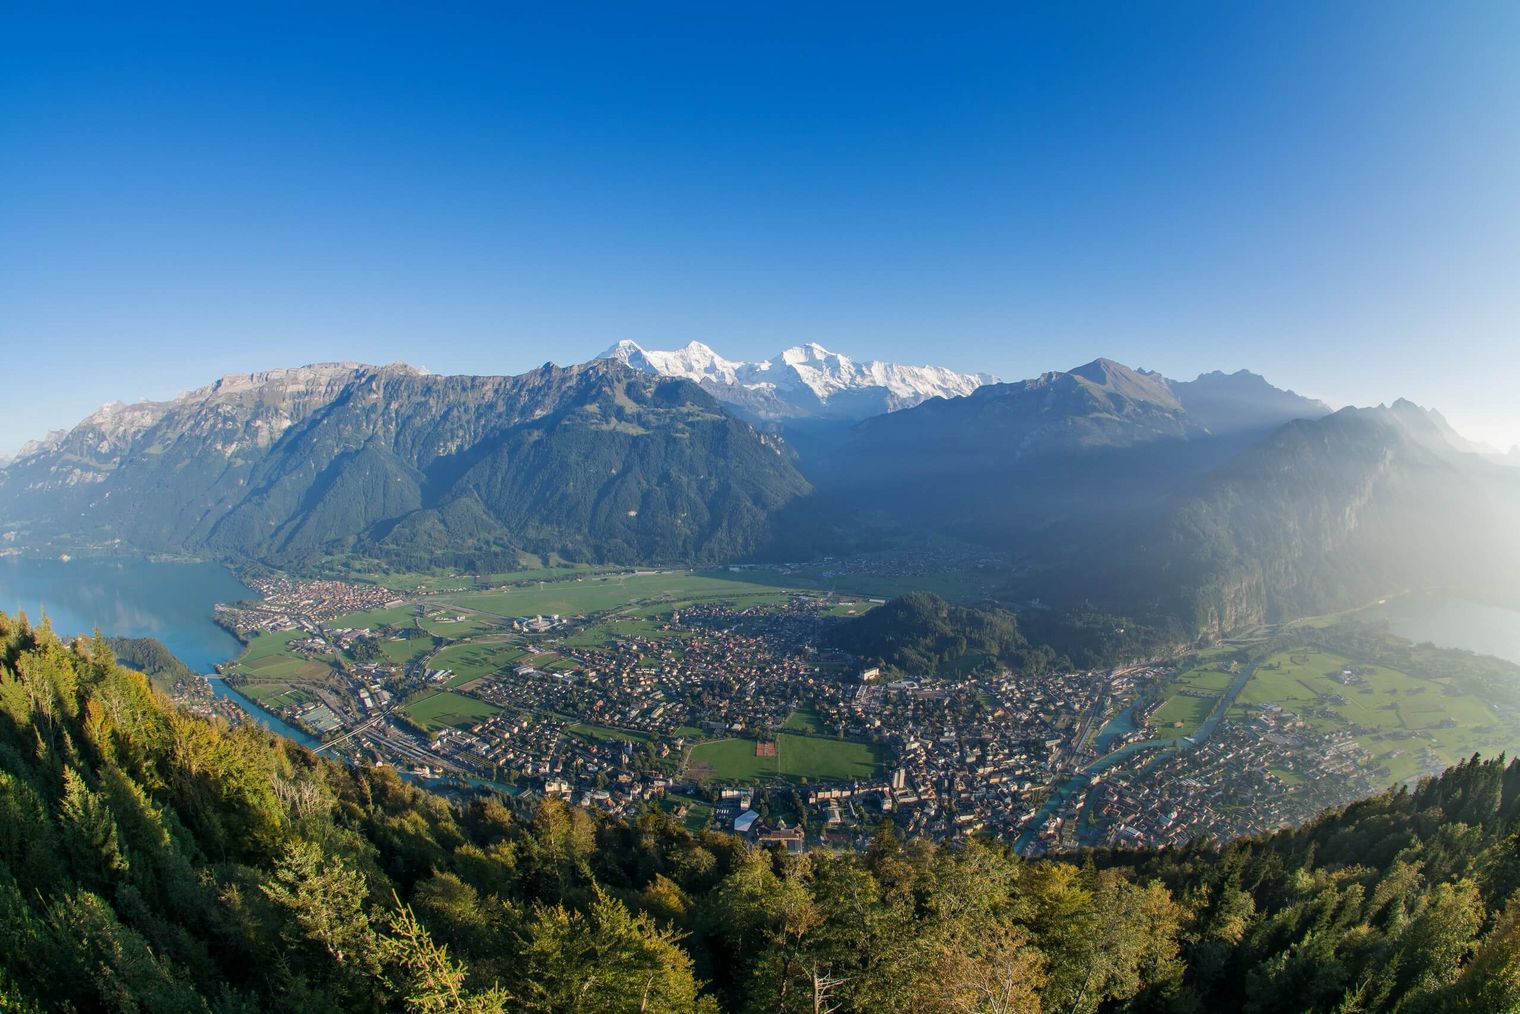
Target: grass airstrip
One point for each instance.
(641, 594)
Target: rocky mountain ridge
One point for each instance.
(595, 461)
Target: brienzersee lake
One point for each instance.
(1453, 623)
(128, 597)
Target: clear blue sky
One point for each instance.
(1327, 193)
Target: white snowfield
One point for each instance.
(805, 377)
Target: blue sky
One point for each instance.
(1328, 194)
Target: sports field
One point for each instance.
(588, 731)
(449, 709)
(797, 757)
(804, 720)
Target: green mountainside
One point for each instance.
(149, 656)
(152, 861)
(922, 633)
(595, 462)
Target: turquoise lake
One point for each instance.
(128, 597)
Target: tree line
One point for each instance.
(153, 861)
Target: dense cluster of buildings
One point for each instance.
(1250, 777)
(285, 603)
(609, 722)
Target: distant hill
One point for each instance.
(1041, 464)
(149, 656)
(922, 634)
(1322, 516)
(1243, 402)
(594, 462)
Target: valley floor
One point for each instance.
(707, 694)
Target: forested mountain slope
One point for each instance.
(1205, 506)
(595, 462)
(150, 861)
(1328, 515)
(922, 633)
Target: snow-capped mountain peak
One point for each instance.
(805, 380)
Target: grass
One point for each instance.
(698, 813)
(955, 584)
(395, 616)
(1380, 713)
(276, 667)
(436, 581)
(447, 708)
(471, 661)
(470, 626)
(270, 657)
(797, 757)
(273, 695)
(404, 650)
(804, 720)
(1190, 711)
(585, 730)
(597, 635)
(585, 596)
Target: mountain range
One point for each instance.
(1198, 506)
(803, 382)
(590, 462)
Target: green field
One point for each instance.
(444, 581)
(1380, 713)
(396, 616)
(596, 635)
(449, 709)
(471, 661)
(402, 650)
(698, 813)
(954, 584)
(1190, 711)
(470, 626)
(269, 657)
(797, 757)
(588, 731)
(804, 720)
(273, 695)
(641, 594)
